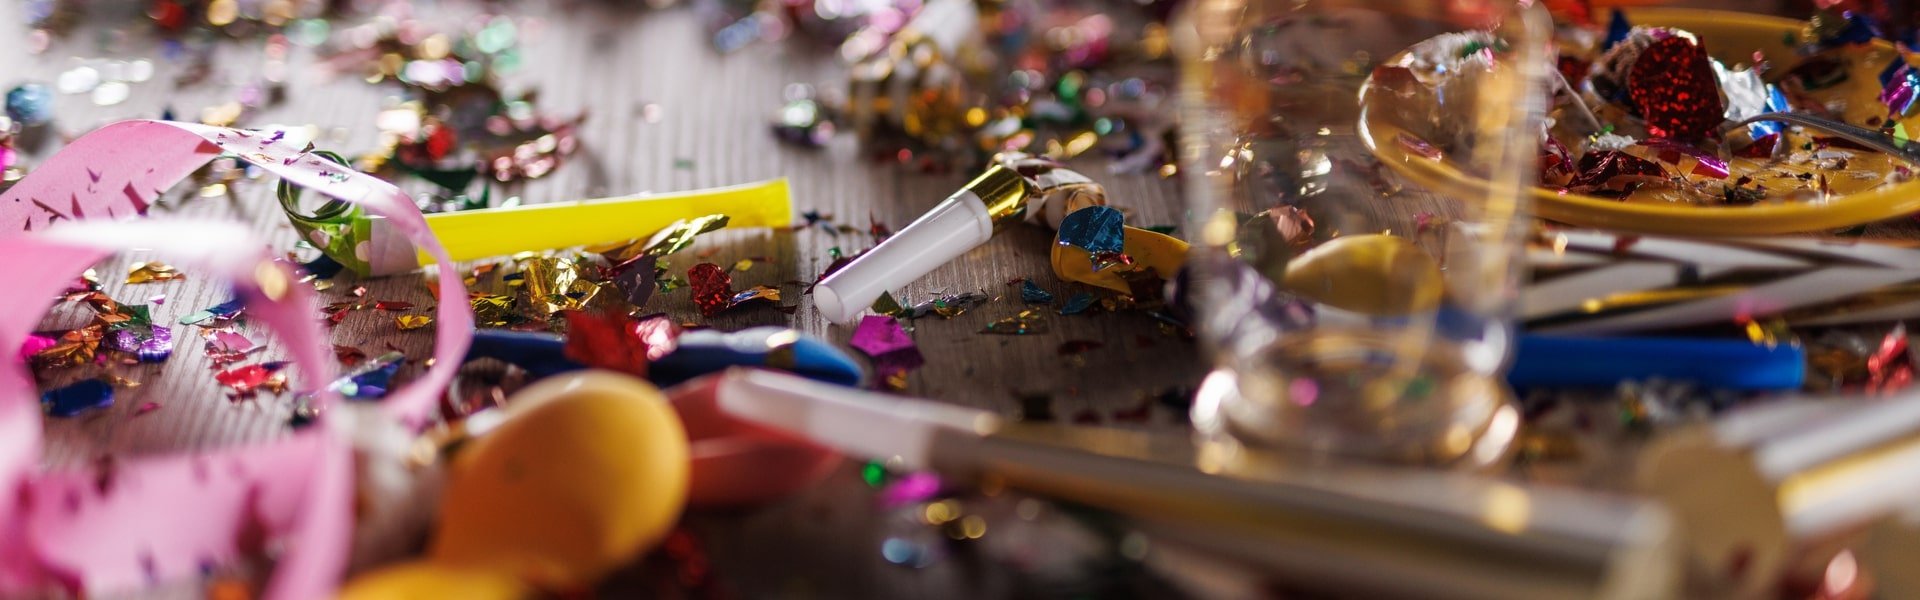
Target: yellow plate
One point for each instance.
(1730, 37)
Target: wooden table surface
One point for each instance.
(712, 130)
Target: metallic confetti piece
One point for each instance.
(1077, 303)
(147, 343)
(70, 348)
(606, 340)
(758, 293)
(886, 305)
(227, 347)
(348, 356)
(1095, 229)
(891, 349)
(554, 284)
(743, 265)
(370, 380)
(152, 271)
(911, 488)
(637, 278)
(411, 322)
(244, 380)
(493, 311)
(392, 305)
(146, 407)
(224, 311)
(712, 288)
(1023, 323)
(680, 234)
(77, 398)
(1032, 294)
(1671, 85)
(948, 306)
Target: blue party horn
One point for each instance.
(697, 353)
(1556, 361)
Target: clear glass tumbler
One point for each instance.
(1358, 171)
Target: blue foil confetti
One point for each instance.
(30, 104)
(371, 379)
(78, 398)
(1032, 294)
(1096, 229)
(1617, 30)
(224, 310)
(1077, 303)
(148, 343)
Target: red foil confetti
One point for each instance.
(244, 380)
(606, 340)
(1889, 369)
(712, 288)
(1673, 88)
(1612, 171)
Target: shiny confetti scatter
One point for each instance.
(891, 349)
(370, 380)
(949, 305)
(637, 278)
(1023, 323)
(152, 272)
(1096, 229)
(247, 379)
(1032, 294)
(1673, 87)
(712, 288)
(147, 343)
(1077, 303)
(606, 340)
(412, 322)
(224, 311)
(493, 311)
(77, 399)
(226, 347)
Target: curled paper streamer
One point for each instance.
(97, 531)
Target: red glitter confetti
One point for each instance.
(392, 305)
(1889, 369)
(348, 355)
(242, 380)
(1672, 86)
(712, 288)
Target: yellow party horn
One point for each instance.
(374, 246)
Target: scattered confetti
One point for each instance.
(1031, 293)
(147, 343)
(411, 322)
(146, 407)
(948, 306)
(607, 340)
(227, 347)
(245, 380)
(392, 305)
(78, 398)
(493, 311)
(1023, 323)
(891, 349)
(348, 356)
(712, 288)
(370, 380)
(151, 272)
(225, 311)
(1077, 303)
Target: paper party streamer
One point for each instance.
(95, 530)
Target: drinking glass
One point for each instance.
(1357, 172)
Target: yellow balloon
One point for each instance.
(1163, 253)
(589, 472)
(426, 580)
(1374, 274)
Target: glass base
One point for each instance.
(1470, 423)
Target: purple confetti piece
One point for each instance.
(149, 343)
(913, 488)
